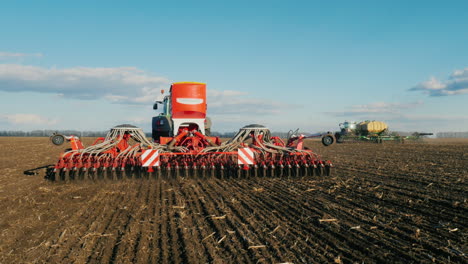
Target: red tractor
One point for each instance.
(183, 117)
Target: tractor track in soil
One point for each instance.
(384, 203)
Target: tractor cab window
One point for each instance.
(166, 106)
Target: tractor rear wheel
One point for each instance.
(157, 134)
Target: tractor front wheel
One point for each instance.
(327, 140)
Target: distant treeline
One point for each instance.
(231, 134)
(47, 133)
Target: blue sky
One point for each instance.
(90, 65)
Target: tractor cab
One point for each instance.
(166, 105)
(184, 109)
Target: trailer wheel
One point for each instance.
(57, 139)
(327, 140)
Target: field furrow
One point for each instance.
(384, 203)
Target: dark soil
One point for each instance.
(384, 203)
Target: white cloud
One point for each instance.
(456, 84)
(120, 85)
(428, 122)
(434, 117)
(27, 119)
(124, 85)
(235, 103)
(7, 55)
(242, 105)
(378, 108)
(214, 94)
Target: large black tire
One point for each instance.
(327, 140)
(57, 139)
(157, 134)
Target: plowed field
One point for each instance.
(384, 203)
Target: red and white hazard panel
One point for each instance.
(245, 156)
(150, 158)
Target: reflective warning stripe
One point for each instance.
(245, 156)
(147, 154)
(150, 158)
